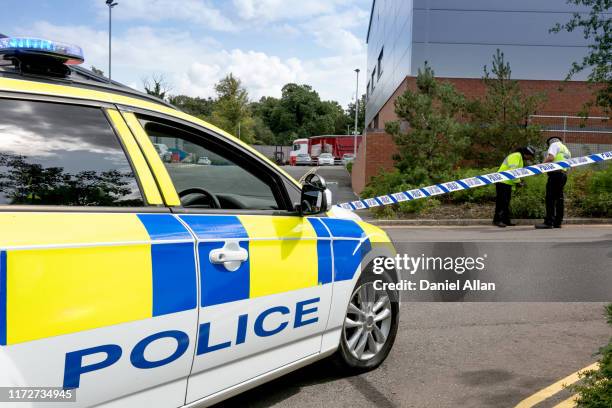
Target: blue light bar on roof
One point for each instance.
(70, 54)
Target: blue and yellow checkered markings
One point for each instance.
(2, 298)
(164, 227)
(173, 264)
(324, 251)
(349, 249)
(217, 284)
(50, 291)
(215, 226)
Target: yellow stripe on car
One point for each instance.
(32, 228)
(157, 166)
(54, 290)
(59, 291)
(147, 181)
(280, 265)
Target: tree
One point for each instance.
(435, 139)
(200, 107)
(231, 111)
(350, 113)
(300, 113)
(156, 85)
(500, 121)
(596, 26)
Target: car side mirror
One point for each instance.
(315, 197)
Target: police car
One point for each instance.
(133, 276)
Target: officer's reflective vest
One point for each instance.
(563, 154)
(511, 162)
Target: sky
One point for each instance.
(195, 43)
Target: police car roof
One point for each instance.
(82, 78)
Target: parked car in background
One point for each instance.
(204, 161)
(303, 159)
(347, 158)
(325, 159)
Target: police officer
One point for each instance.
(504, 188)
(557, 151)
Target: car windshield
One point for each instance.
(326, 155)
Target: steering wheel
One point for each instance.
(212, 199)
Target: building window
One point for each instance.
(373, 78)
(368, 90)
(380, 58)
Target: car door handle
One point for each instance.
(232, 255)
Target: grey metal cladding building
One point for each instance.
(458, 37)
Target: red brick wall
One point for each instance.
(376, 153)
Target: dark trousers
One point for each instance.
(554, 197)
(502, 203)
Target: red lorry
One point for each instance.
(337, 145)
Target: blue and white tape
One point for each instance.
(473, 182)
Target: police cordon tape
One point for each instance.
(473, 182)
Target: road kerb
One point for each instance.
(552, 389)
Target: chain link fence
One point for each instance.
(581, 135)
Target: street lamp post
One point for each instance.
(356, 114)
(110, 5)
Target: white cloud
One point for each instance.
(193, 65)
(274, 10)
(333, 30)
(195, 11)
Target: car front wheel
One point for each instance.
(370, 324)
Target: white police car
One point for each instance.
(136, 281)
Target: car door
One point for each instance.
(97, 277)
(265, 272)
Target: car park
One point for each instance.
(325, 159)
(141, 281)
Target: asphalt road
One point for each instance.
(337, 178)
(469, 354)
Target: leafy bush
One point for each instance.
(598, 201)
(473, 195)
(528, 201)
(392, 182)
(349, 167)
(588, 193)
(596, 389)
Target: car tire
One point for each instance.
(365, 342)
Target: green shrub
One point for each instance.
(595, 391)
(528, 201)
(473, 195)
(598, 201)
(349, 167)
(393, 182)
(588, 193)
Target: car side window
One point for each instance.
(207, 174)
(60, 154)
